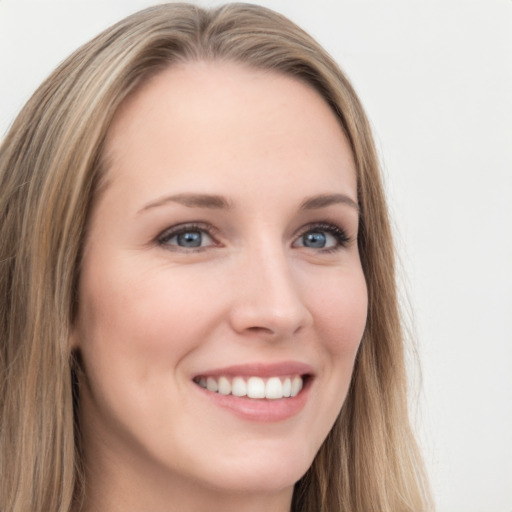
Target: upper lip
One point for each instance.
(260, 370)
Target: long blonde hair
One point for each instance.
(50, 174)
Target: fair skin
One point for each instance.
(224, 247)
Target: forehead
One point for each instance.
(217, 121)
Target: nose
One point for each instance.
(267, 297)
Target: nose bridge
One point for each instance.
(268, 298)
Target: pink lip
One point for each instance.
(261, 370)
(260, 410)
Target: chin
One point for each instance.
(266, 471)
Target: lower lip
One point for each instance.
(260, 410)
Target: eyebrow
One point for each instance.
(324, 200)
(216, 202)
(210, 201)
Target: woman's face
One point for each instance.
(221, 259)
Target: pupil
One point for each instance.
(315, 240)
(190, 239)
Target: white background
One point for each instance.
(436, 80)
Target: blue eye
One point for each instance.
(314, 240)
(189, 239)
(324, 237)
(186, 237)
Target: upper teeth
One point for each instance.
(253, 387)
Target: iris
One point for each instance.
(190, 239)
(314, 239)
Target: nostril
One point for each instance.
(257, 329)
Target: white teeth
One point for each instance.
(296, 386)
(287, 387)
(255, 387)
(211, 384)
(273, 388)
(239, 387)
(224, 386)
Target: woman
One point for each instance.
(199, 307)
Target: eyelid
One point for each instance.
(332, 228)
(340, 234)
(178, 229)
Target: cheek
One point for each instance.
(340, 311)
(133, 331)
(143, 320)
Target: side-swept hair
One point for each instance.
(50, 173)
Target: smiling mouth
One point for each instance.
(271, 388)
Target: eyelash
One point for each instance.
(181, 229)
(339, 234)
